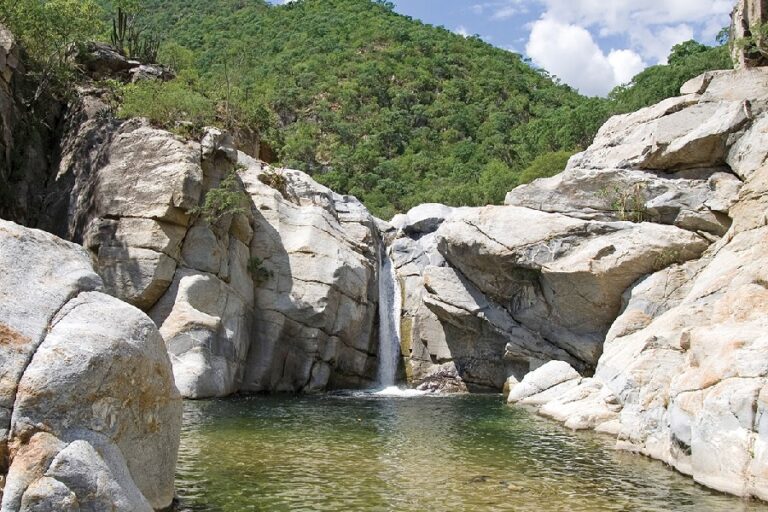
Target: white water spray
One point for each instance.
(390, 298)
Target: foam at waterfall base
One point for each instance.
(395, 391)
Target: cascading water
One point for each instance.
(389, 322)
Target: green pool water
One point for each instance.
(455, 453)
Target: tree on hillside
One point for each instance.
(376, 104)
(46, 29)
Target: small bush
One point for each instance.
(629, 205)
(47, 30)
(666, 258)
(167, 104)
(545, 166)
(756, 43)
(276, 180)
(258, 272)
(226, 199)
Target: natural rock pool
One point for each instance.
(365, 452)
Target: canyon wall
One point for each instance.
(275, 292)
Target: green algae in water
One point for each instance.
(369, 453)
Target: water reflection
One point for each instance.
(377, 453)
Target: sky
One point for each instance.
(592, 45)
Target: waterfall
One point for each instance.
(389, 321)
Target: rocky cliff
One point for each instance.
(278, 293)
(192, 264)
(679, 295)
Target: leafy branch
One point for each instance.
(226, 199)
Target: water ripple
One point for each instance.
(388, 453)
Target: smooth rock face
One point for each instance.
(693, 200)
(108, 404)
(206, 326)
(125, 192)
(556, 275)
(316, 312)
(564, 396)
(682, 377)
(698, 199)
(498, 291)
(131, 196)
(53, 272)
(543, 378)
(485, 341)
(710, 338)
(289, 278)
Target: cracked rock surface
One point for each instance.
(684, 369)
(278, 295)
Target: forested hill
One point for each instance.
(373, 103)
(369, 102)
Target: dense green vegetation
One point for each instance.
(369, 102)
(656, 83)
(46, 29)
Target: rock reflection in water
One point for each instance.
(383, 453)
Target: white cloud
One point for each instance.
(461, 30)
(563, 40)
(501, 9)
(503, 13)
(569, 52)
(622, 16)
(656, 44)
(651, 26)
(626, 64)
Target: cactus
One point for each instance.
(120, 27)
(128, 37)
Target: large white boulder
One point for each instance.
(206, 325)
(316, 310)
(543, 378)
(91, 415)
(696, 200)
(556, 275)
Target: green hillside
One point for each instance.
(369, 102)
(373, 103)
